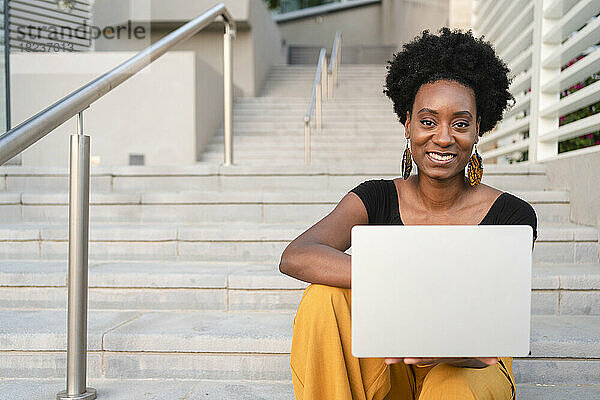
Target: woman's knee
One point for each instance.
(318, 293)
(319, 301)
(448, 382)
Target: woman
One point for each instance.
(447, 91)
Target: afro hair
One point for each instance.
(456, 56)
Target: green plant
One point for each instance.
(273, 4)
(66, 4)
(588, 139)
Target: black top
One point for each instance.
(380, 198)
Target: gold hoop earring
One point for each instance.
(475, 170)
(406, 161)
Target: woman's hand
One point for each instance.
(466, 362)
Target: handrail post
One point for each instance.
(323, 89)
(228, 93)
(79, 189)
(306, 141)
(319, 105)
(337, 62)
(334, 63)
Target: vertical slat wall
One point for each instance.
(4, 117)
(41, 25)
(552, 48)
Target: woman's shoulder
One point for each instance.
(375, 195)
(372, 190)
(510, 209)
(371, 185)
(514, 203)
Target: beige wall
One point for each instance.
(257, 46)
(171, 110)
(118, 11)
(390, 23)
(360, 26)
(460, 14)
(153, 113)
(268, 49)
(580, 175)
(402, 20)
(207, 47)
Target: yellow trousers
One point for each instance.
(323, 367)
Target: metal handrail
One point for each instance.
(316, 99)
(27, 133)
(325, 79)
(334, 62)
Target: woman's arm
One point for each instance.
(317, 255)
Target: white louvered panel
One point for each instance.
(574, 129)
(521, 21)
(572, 21)
(586, 37)
(508, 149)
(507, 128)
(500, 26)
(575, 73)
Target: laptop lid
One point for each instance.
(441, 291)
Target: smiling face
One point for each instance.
(442, 129)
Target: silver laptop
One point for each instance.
(441, 291)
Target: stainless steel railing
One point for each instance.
(27, 133)
(316, 99)
(334, 63)
(325, 79)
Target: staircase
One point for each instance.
(186, 300)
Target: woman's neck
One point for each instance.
(437, 195)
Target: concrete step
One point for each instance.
(348, 82)
(239, 241)
(338, 124)
(283, 145)
(557, 392)
(287, 110)
(343, 72)
(360, 105)
(258, 141)
(295, 145)
(298, 113)
(328, 130)
(217, 206)
(203, 242)
(359, 75)
(285, 107)
(152, 286)
(249, 117)
(239, 177)
(335, 102)
(304, 88)
(132, 389)
(562, 289)
(300, 93)
(242, 345)
(162, 389)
